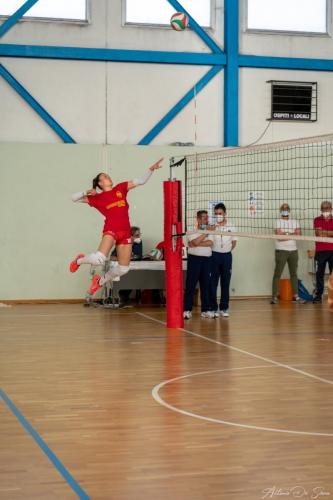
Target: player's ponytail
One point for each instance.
(95, 182)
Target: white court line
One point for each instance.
(158, 399)
(247, 353)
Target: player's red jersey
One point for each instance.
(113, 205)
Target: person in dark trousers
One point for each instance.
(323, 226)
(221, 261)
(198, 268)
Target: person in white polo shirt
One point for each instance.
(286, 253)
(198, 268)
(221, 261)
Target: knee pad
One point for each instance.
(123, 270)
(97, 259)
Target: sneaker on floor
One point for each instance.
(274, 300)
(187, 315)
(95, 284)
(216, 314)
(74, 266)
(298, 300)
(317, 299)
(224, 313)
(207, 314)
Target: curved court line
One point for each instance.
(158, 399)
(242, 351)
(48, 452)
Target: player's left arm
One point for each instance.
(145, 177)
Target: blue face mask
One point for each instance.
(284, 213)
(203, 226)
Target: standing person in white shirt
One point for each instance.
(222, 261)
(286, 252)
(198, 268)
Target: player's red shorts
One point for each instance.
(121, 237)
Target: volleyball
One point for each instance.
(179, 21)
(155, 254)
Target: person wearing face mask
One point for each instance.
(221, 261)
(286, 253)
(136, 243)
(323, 226)
(198, 268)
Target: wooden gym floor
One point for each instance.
(87, 412)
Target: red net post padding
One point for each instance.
(173, 225)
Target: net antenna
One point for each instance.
(105, 162)
(173, 164)
(195, 115)
(255, 181)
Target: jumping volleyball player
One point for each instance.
(112, 203)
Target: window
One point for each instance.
(299, 16)
(75, 10)
(158, 12)
(294, 101)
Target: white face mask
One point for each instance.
(326, 214)
(137, 240)
(284, 213)
(220, 218)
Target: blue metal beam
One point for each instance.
(231, 76)
(179, 106)
(12, 20)
(231, 59)
(159, 57)
(197, 28)
(35, 105)
(89, 54)
(286, 63)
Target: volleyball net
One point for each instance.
(253, 183)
